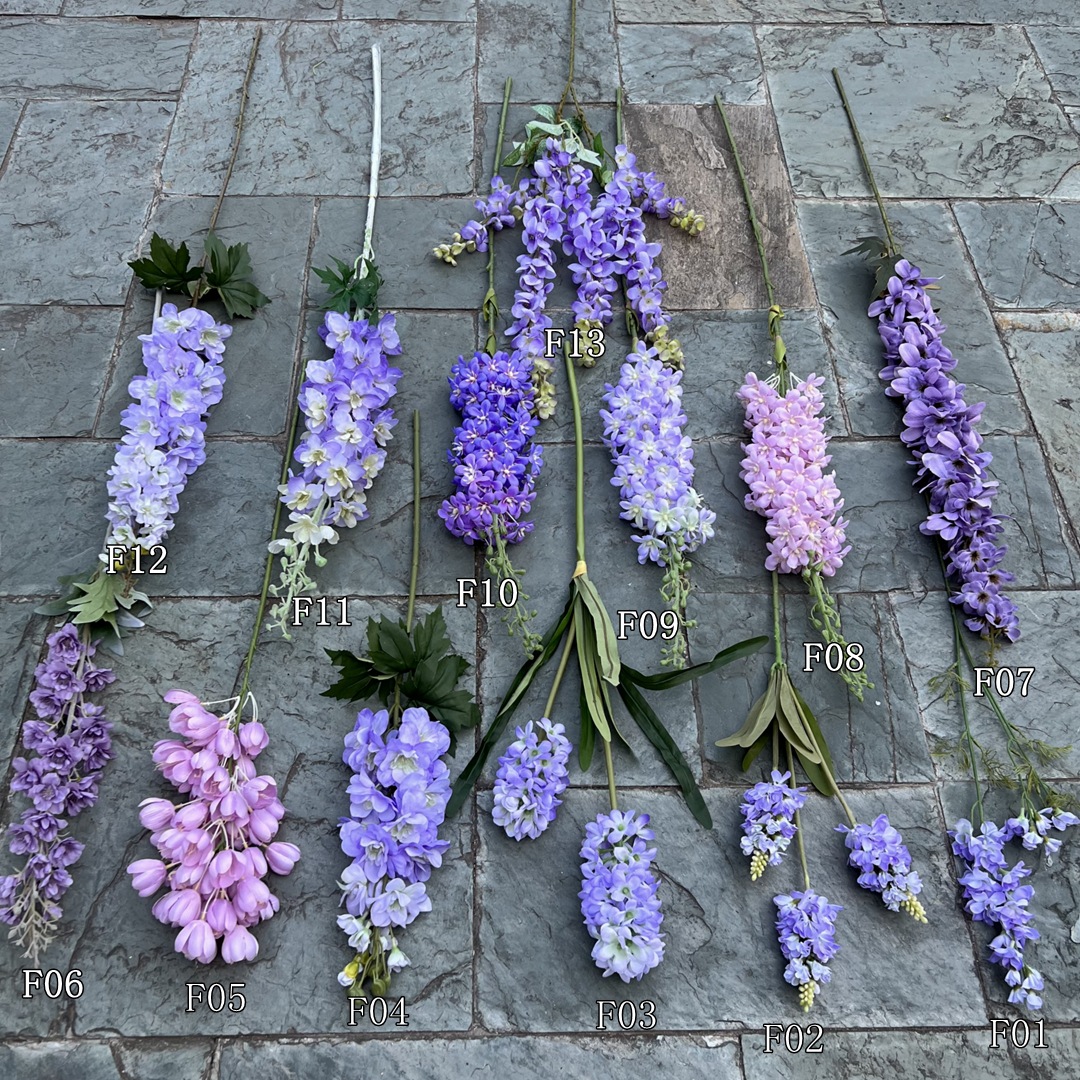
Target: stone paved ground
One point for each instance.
(115, 119)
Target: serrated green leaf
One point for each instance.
(241, 299)
(652, 728)
(167, 267)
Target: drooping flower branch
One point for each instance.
(940, 432)
(784, 470)
(162, 446)
(345, 403)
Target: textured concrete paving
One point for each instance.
(115, 120)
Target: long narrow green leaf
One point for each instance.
(762, 713)
(667, 679)
(814, 771)
(607, 645)
(587, 741)
(751, 755)
(589, 663)
(654, 730)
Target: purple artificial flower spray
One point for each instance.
(940, 432)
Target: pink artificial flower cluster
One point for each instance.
(217, 847)
(784, 468)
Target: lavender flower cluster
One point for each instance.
(880, 855)
(784, 468)
(806, 925)
(70, 744)
(769, 809)
(939, 428)
(654, 467)
(397, 796)
(347, 424)
(164, 427)
(495, 461)
(618, 895)
(993, 893)
(603, 236)
(217, 847)
(532, 774)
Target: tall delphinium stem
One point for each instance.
(892, 249)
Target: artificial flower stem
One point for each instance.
(754, 223)
(620, 140)
(244, 88)
(361, 265)
(798, 823)
(567, 647)
(414, 570)
(290, 443)
(84, 638)
(569, 87)
(777, 637)
(491, 309)
(610, 766)
(579, 457)
(893, 251)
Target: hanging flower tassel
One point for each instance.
(880, 855)
(805, 924)
(216, 847)
(769, 809)
(532, 775)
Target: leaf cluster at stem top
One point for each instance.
(405, 669)
(225, 272)
(348, 290)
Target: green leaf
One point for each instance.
(59, 606)
(587, 735)
(230, 277)
(792, 725)
(546, 111)
(167, 267)
(667, 679)
(548, 129)
(590, 675)
(814, 770)
(751, 755)
(761, 715)
(514, 157)
(355, 682)
(659, 736)
(606, 644)
(589, 158)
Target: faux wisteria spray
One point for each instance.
(345, 402)
(69, 738)
(942, 439)
(785, 473)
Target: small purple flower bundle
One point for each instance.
(70, 744)
(164, 441)
(397, 795)
(217, 846)
(618, 895)
(769, 810)
(880, 855)
(805, 925)
(993, 893)
(347, 420)
(532, 775)
(939, 429)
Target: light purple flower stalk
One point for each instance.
(805, 925)
(769, 809)
(618, 895)
(397, 796)
(880, 855)
(163, 441)
(532, 775)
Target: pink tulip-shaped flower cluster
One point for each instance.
(217, 847)
(784, 468)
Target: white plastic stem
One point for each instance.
(376, 158)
